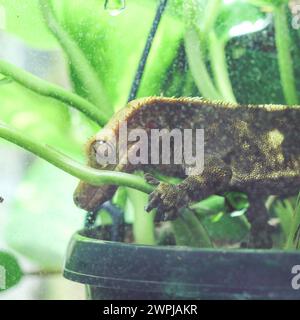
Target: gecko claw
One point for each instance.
(160, 216)
(153, 202)
(151, 179)
(167, 199)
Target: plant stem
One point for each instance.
(210, 16)
(51, 90)
(141, 67)
(143, 224)
(5, 80)
(285, 62)
(198, 67)
(83, 172)
(219, 67)
(94, 87)
(195, 45)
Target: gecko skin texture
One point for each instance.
(253, 149)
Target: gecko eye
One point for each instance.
(103, 151)
(101, 146)
(98, 144)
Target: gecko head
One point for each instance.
(104, 154)
(90, 198)
(100, 150)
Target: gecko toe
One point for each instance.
(151, 179)
(167, 199)
(153, 201)
(160, 215)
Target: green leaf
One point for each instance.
(10, 271)
(224, 229)
(211, 205)
(284, 211)
(24, 19)
(238, 18)
(76, 58)
(221, 226)
(39, 117)
(237, 200)
(113, 45)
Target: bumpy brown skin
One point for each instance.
(249, 148)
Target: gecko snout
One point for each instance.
(90, 197)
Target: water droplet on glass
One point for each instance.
(114, 7)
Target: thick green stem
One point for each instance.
(219, 67)
(210, 16)
(51, 90)
(197, 65)
(195, 45)
(143, 225)
(285, 62)
(87, 75)
(83, 172)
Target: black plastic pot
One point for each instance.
(113, 270)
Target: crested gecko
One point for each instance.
(253, 149)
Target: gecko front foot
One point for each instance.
(166, 198)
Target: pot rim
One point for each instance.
(190, 272)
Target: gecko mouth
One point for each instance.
(90, 197)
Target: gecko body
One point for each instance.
(249, 148)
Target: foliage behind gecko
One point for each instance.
(249, 148)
